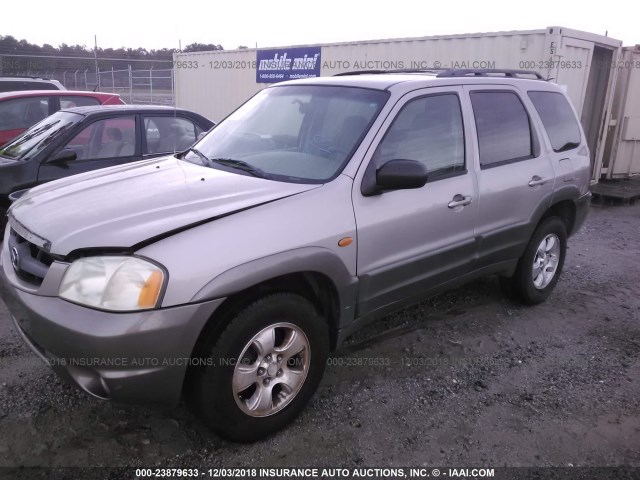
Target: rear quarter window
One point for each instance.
(69, 101)
(558, 119)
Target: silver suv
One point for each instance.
(228, 272)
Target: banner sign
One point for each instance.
(274, 66)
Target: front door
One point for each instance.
(103, 143)
(410, 241)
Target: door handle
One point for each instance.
(459, 201)
(536, 180)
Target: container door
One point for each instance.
(626, 146)
(585, 68)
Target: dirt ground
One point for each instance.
(465, 379)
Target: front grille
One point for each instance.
(29, 261)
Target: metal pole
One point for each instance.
(113, 80)
(130, 85)
(86, 85)
(95, 56)
(75, 80)
(151, 84)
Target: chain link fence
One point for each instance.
(152, 86)
(149, 87)
(135, 85)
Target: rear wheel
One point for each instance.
(262, 369)
(539, 268)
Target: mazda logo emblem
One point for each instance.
(15, 258)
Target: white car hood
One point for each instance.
(126, 205)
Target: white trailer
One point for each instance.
(215, 83)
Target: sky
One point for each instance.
(154, 25)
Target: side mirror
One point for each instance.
(63, 156)
(13, 196)
(395, 175)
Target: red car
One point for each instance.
(21, 109)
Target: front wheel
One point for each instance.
(539, 268)
(262, 369)
(3, 222)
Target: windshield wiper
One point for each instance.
(239, 165)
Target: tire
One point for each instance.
(275, 394)
(3, 222)
(548, 258)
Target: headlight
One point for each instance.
(113, 283)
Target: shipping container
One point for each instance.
(622, 152)
(215, 83)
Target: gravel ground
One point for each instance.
(467, 378)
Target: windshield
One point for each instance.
(34, 140)
(303, 134)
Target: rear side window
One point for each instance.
(504, 131)
(558, 120)
(21, 113)
(428, 130)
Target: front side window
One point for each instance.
(429, 130)
(502, 123)
(110, 138)
(558, 119)
(302, 134)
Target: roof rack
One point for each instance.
(368, 72)
(452, 72)
(487, 72)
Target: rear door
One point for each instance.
(410, 241)
(103, 143)
(516, 177)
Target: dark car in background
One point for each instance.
(20, 110)
(10, 84)
(81, 139)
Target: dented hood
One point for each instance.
(125, 205)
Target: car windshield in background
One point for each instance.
(300, 134)
(34, 140)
